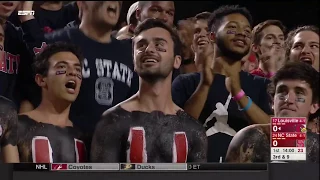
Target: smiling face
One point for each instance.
(154, 54)
(64, 77)
(233, 37)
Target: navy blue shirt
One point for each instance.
(223, 114)
(108, 72)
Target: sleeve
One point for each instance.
(106, 141)
(8, 114)
(179, 91)
(36, 40)
(264, 98)
(71, 12)
(25, 84)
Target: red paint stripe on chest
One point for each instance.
(41, 150)
(137, 152)
(180, 147)
(80, 150)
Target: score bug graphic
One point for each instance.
(288, 137)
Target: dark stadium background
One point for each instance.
(291, 13)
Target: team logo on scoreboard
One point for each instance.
(303, 128)
(57, 167)
(127, 166)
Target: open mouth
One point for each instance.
(149, 59)
(71, 86)
(307, 60)
(239, 42)
(1, 48)
(202, 42)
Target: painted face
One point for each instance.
(154, 54)
(233, 38)
(64, 76)
(305, 48)
(293, 98)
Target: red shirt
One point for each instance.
(259, 72)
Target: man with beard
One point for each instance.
(46, 134)
(149, 127)
(268, 45)
(295, 92)
(223, 98)
(108, 76)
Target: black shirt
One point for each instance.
(52, 20)
(221, 106)
(15, 56)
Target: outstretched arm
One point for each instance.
(250, 144)
(106, 142)
(8, 122)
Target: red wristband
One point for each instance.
(239, 95)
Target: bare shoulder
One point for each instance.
(251, 144)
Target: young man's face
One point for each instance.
(293, 98)
(305, 48)
(154, 54)
(163, 10)
(64, 76)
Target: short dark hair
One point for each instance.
(218, 14)
(41, 62)
(156, 23)
(294, 32)
(297, 71)
(203, 16)
(257, 30)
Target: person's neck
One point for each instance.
(95, 32)
(218, 69)
(51, 6)
(263, 68)
(156, 96)
(55, 111)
